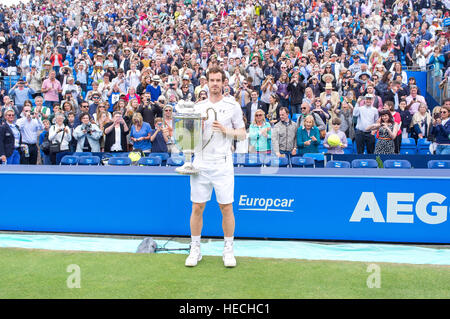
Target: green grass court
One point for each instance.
(26, 273)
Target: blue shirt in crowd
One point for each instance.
(145, 130)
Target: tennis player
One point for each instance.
(215, 163)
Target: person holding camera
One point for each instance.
(414, 100)
(87, 134)
(268, 88)
(441, 131)
(59, 136)
(256, 73)
(10, 139)
(296, 89)
(30, 124)
(116, 134)
(159, 137)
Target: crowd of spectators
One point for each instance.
(106, 75)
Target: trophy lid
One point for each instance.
(185, 109)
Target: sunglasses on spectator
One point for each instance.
(444, 112)
(259, 115)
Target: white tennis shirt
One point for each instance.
(229, 114)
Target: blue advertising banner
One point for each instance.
(319, 204)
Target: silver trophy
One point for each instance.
(187, 125)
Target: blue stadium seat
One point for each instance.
(150, 161)
(349, 142)
(351, 147)
(275, 161)
(322, 149)
(82, 154)
(397, 164)
(298, 161)
(408, 150)
(295, 117)
(89, 160)
(119, 161)
(364, 163)
(238, 159)
(439, 164)
(253, 160)
(318, 157)
(175, 161)
(408, 146)
(69, 160)
(423, 146)
(162, 156)
(338, 164)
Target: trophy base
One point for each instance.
(187, 169)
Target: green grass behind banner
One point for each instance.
(43, 274)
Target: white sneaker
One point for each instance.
(194, 255)
(228, 255)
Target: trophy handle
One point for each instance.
(207, 113)
(215, 119)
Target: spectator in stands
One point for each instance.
(366, 115)
(149, 110)
(284, 135)
(273, 109)
(414, 100)
(21, 92)
(140, 134)
(10, 139)
(282, 84)
(51, 88)
(116, 133)
(96, 100)
(441, 131)
(29, 125)
(306, 110)
(251, 107)
(411, 82)
(308, 137)
(268, 88)
(71, 124)
(260, 134)
(437, 60)
(87, 134)
(320, 110)
(296, 89)
(336, 130)
(386, 133)
(34, 80)
(101, 109)
(45, 155)
(59, 134)
(389, 106)
(159, 137)
(243, 94)
(254, 71)
(421, 123)
(397, 69)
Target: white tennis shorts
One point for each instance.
(214, 174)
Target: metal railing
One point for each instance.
(438, 91)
